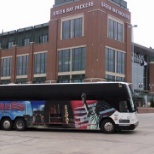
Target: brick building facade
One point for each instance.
(85, 40)
(103, 26)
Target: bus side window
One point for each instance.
(123, 106)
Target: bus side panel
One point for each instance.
(88, 114)
(54, 113)
(69, 113)
(76, 113)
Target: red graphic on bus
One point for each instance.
(12, 106)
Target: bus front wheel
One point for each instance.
(107, 126)
(20, 124)
(7, 124)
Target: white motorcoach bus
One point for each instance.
(106, 106)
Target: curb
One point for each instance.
(145, 110)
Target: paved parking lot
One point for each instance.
(140, 141)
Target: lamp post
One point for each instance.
(133, 57)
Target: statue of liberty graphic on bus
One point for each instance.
(90, 113)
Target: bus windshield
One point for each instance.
(130, 91)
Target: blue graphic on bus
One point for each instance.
(30, 110)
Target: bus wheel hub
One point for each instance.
(6, 124)
(108, 126)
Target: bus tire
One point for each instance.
(107, 126)
(20, 124)
(7, 124)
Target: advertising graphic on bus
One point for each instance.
(69, 113)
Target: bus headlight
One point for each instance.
(115, 117)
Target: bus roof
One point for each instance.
(58, 91)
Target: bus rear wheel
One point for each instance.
(20, 124)
(7, 124)
(107, 126)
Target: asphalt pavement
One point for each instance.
(139, 141)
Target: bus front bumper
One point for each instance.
(127, 126)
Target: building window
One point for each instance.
(78, 59)
(72, 79)
(72, 28)
(110, 60)
(22, 65)
(43, 38)
(114, 78)
(40, 60)
(71, 60)
(77, 78)
(66, 29)
(26, 42)
(5, 81)
(21, 81)
(64, 60)
(64, 79)
(10, 44)
(6, 66)
(138, 71)
(0, 45)
(115, 30)
(110, 77)
(71, 65)
(119, 78)
(120, 62)
(115, 64)
(39, 80)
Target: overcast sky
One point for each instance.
(15, 14)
